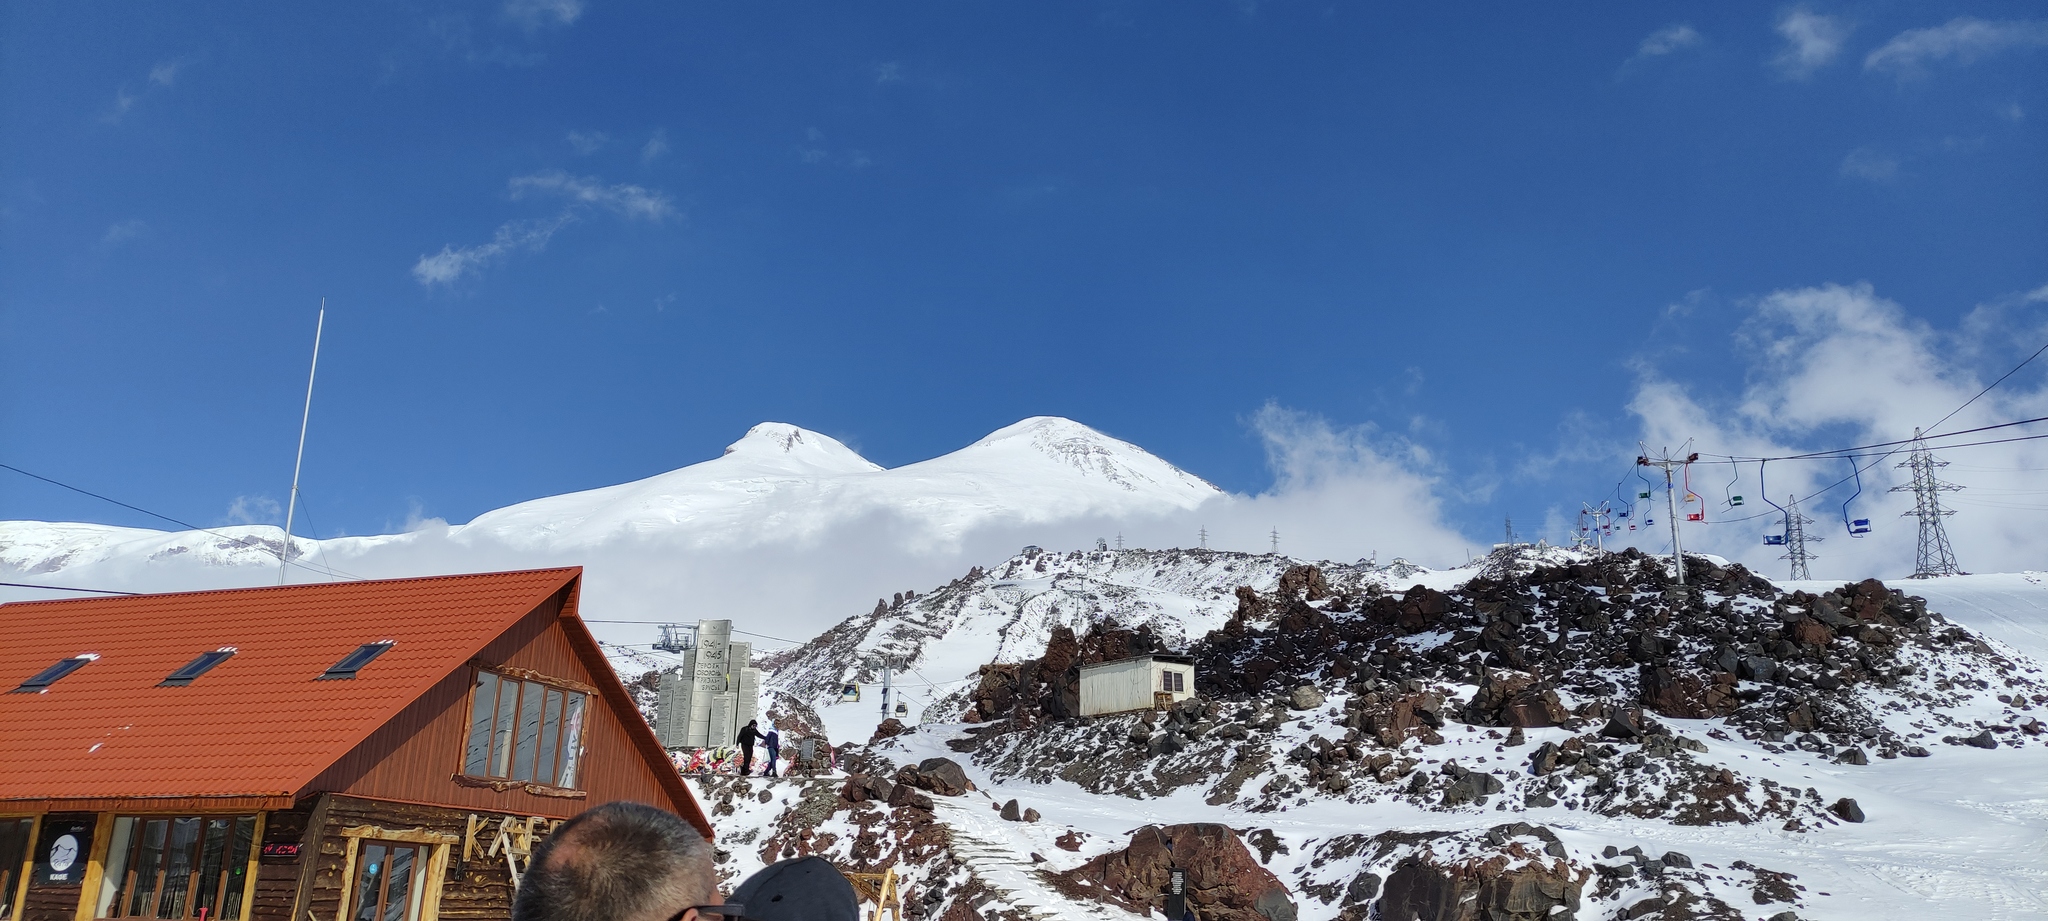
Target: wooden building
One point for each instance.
(355, 751)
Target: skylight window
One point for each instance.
(197, 667)
(345, 670)
(49, 676)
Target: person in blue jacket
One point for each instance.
(773, 740)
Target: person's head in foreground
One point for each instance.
(806, 889)
(620, 862)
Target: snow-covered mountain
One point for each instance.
(787, 520)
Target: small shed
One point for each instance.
(1136, 683)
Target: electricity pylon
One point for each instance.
(1935, 557)
(1796, 539)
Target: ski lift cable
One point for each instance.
(1864, 468)
(247, 542)
(1841, 452)
(67, 588)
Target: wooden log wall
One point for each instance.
(479, 889)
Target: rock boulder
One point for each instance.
(1224, 881)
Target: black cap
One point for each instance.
(806, 889)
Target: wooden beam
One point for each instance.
(28, 865)
(309, 858)
(401, 835)
(255, 855)
(95, 868)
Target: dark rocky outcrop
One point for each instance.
(942, 776)
(1224, 881)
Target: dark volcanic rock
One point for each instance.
(1847, 809)
(942, 776)
(1515, 884)
(1224, 882)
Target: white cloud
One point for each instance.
(254, 510)
(1962, 40)
(1837, 365)
(536, 13)
(123, 231)
(655, 147)
(2013, 113)
(628, 200)
(889, 72)
(166, 73)
(1666, 40)
(1812, 41)
(451, 263)
(123, 101)
(1870, 164)
(589, 142)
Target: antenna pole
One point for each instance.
(292, 503)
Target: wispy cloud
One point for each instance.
(1962, 40)
(253, 510)
(451, 263)
(166, 73)
(587, 142)
(123, 231)
(629, 201)
(1812, 41)
(889, 72)
(1671, 38)
(1871, 164)
(626, 200)
(534, 14)
(161, 78)
(655, 147)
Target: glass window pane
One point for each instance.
(149, 864)
(529, 730)
(501, 730)
(238, 867)
(398, 895)
(212, 848)
(369, 881)
(550, 736)
(179, 851)
(484, 698)
(572, 741)
(116, 875)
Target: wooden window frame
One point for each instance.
(521, 676)
(435, 873)
(103, 843)
(28, 863)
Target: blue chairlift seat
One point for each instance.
(1859, 526)
(1774, 540)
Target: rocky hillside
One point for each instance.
(1566, 735)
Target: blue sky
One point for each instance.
(570, 243)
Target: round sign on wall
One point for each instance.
(63, 853)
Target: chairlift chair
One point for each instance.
(1857, 526)
(1734, 500)
(1774, 540)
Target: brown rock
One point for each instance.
(942, 776)
(1305, 582)
(1809, 632)
(1683, 694)
(906, 796)
(888, 729)
(1223, 880)
(1517, 884)
(1071, 841)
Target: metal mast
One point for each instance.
(1276, 542)
(1935, 557)
(1796, 539)
(1204, 536)
(1667, 462)
(284, 556)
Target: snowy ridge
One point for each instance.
(779, 484)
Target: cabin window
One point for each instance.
(389, 881)
(1171, 680)
(177, 867)
(14, 835)
(524, 730)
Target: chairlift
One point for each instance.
(1859, 526)
(1774, 540)
(902, 709)
(849, 694)
(1734, 500)
(1692, 497)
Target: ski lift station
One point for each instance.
(706, 700)
(1146, 682)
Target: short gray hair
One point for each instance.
(617, 862)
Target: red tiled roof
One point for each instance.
(258, 725)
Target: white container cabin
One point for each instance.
(1137, 683)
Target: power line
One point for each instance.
(1850, 452)
(239, 541)
(66, 588)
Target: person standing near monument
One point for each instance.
(773, 740)
(748, 734)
